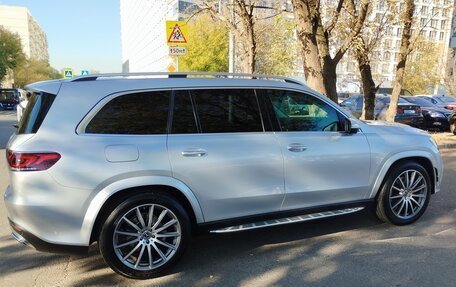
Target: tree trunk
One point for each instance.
(403, 53)
(305, 16)
(330, 78)
(367, 81)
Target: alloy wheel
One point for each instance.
(408, 193)
(146, 237)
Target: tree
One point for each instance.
(364, 45)
(277, 47)
(317, 40)
(423, 69)
(11, 54)
(404, 51)
(208, 45)
(241, 17)
(31, 71)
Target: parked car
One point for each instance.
(138, 162)
(434, 116)
(446, 102)
(389, 92)
(407, 113)
(341, 96)
(9, 98)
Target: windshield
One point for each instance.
(387, 100)
(8, 95)
(419, 101)
(447, 99)
(389, 91)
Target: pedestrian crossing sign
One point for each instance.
(84, 72)
(176, 33)
(68, 73)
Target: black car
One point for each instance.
(9, 98)
(434, 117)
(407, 113)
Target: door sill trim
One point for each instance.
(287, 220)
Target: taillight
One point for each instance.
(31, 161)
(400, 110)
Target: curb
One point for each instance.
(447, 146)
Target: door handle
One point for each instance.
(197, 152)
(296, 147)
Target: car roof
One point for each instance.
(110, 83)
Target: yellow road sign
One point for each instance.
(171, 68)
(176, 33)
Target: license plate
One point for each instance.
(409, 111)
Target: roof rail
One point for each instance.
(94, 77)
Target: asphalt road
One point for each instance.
(353, 250)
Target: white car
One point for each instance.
(136, 162)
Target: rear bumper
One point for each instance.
(26, 238)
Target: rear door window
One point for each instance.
(137, 113)
(33, 116)
(227, 110)
(184, 117)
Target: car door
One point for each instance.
(323, 165)
(219, 148)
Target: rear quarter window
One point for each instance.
(35, 112)
(137, 113)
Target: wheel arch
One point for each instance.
(423, 158)
(115, 193)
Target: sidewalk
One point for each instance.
(445, 140)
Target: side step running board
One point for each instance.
(287, 220)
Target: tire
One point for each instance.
(145, 236)
(396, 198)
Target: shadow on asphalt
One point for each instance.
(229, 257)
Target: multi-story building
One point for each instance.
(143, 34)
(19, 20)
(433, 24)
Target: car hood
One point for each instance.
(393, 127)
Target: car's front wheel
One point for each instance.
(145, 235)
(405, 194)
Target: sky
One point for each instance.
(82, 34)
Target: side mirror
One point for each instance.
(349, 128)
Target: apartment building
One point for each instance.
(19, 20)
(433, 23)
(143, 35)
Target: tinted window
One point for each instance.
(300, 112)
(224, 111)
(184, 121)
(140, 113)
(35, 112)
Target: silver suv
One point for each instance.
(138, 162)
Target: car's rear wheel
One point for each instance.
(145, 235)
(405, 194)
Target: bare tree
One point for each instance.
(407, 18)
(315, 38)
(241, 17)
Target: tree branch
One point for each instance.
(331, 26)
(355, 32)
